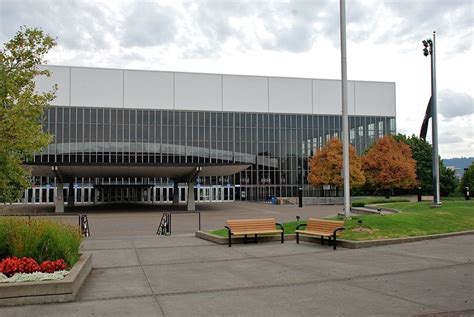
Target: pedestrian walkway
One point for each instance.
(181, 275)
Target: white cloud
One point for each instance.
(293, 38)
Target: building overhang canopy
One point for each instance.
(179, 172)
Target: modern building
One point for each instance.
(156, 136)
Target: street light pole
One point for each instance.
(345, 117)
(434, 109)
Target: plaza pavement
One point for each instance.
(136, 274)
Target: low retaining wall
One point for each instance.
(374, 243)
(340, 242)
(42, 292)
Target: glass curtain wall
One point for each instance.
(277, 146)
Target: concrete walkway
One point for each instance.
(185, 276)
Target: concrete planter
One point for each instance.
(42, 292)
(237, 240)
(340, 242)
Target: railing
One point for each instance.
(165, 223)
(83, 222)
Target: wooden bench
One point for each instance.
(245, 227)
(322, 228)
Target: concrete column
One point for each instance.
(59, 199)
(70, 197)
(175, 194)
(191, 204)
(96, 194)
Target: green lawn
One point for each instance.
(416, 219)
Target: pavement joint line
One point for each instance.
(396, 296)
(420, 256)
(309, 282)
(343, 280)
(165, 247)
(148, 281)
(449, 313)
(249, 257)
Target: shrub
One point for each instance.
(40, 239)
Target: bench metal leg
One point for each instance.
(334, 241)
(230, 240)
(256, 240)
(297, 237)
(245, 239)
(282, 237)
(322, 240)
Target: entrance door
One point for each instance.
(204, 194)
(217, 194)
(228, 194)
(183, 194)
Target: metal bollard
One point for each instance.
(300, 197)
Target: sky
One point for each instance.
(277, 38)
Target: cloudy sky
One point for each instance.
(280, 38)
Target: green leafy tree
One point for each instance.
(467, 179)
(422, 154)
(21, 107)
(448, 182)
(421, 151)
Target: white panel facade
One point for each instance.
(328, 97)
(290, 95)
(91, 87)
(245, 93)
(148, 90)
(198, 91)
(59, 76)
(375, 98)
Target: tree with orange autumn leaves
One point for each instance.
(388, 164)
(325, 167)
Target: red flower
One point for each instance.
(10, 266)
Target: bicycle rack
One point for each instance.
(84, 225)
(165, 225)
(164, 229)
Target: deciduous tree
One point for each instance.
(21, 107)
(389, 164)
(422, 154)
(467, 179)
(325, 167)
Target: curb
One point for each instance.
(340, 242)
(43, 292)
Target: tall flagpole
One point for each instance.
(345, 117)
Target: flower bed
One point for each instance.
(36, 246)
(44, 256)
(14, 265)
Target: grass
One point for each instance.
(40, 239)
(416, 219)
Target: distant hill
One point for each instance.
(459, 162)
